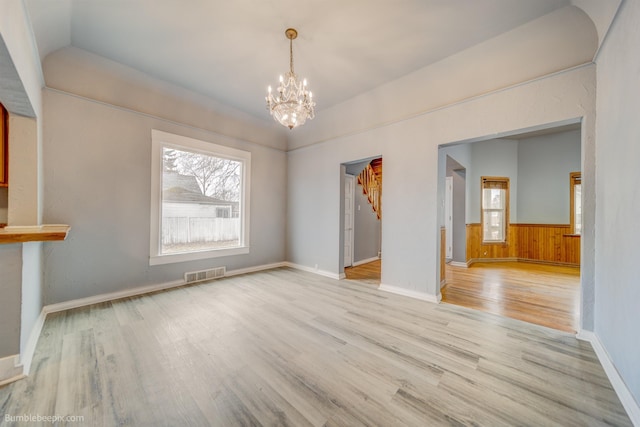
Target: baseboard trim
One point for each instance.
(30, 347)
(112, 296)
(10, 369)
(365, 261)
(255, 269)
(532, 261)
(324, 273)
(459, 264)
(624, 394)
(411, 294)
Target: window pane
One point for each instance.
(493, 198)
(201, 207)
(493, 226)
(577, 203)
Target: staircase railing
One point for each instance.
(372, 188)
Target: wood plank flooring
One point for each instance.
(546, 295)
(284, 347)
(366, 273)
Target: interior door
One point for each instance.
(349, 193)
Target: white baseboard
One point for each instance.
(81, 302)
(10, 369)
(255, 269)
(96, 299)
(365, 261)
(30, 347)
(624, 394)
(324, 273)
(412, 294)
(459, 264)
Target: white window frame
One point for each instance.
(160, 140)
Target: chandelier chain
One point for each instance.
(291, 55)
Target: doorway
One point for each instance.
(361, 216)
(533, 272)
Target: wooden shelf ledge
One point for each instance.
(34, 233)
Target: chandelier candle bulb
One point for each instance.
(295, 104)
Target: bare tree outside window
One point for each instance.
(200, 201)
(217, 177)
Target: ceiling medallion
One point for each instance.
(293, 103)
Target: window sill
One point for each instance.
(34, 233)
(195, 256)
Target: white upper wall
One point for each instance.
(557, 41)
(81, 73)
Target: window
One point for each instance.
(199, 200)
(576, 202)
(495, 209)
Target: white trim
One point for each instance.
(624, 394)
(111, 296)
(324, 273)
(365, 261)
(10, 369)
(459, 264)
(96, 299)
(411, 294)
(30, 347)
(255, 269)
(194, 256)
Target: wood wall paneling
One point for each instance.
(549, 243)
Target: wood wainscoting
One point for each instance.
(545, 243)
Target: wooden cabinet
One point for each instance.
(4, 146)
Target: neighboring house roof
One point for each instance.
(174, 179)
(185, 189)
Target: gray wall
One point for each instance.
(98, 179)
(538, 169)
(496, 157)
(617, 233)
(544, 164)
(367, 226)
(11, 300)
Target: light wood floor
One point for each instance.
(541, 294)
(284, 347)
(367, 273)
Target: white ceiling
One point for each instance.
(232, 50)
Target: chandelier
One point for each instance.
(294, 103)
